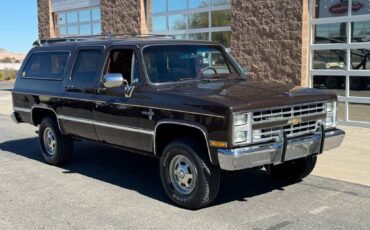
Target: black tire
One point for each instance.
(207, 176)
(63, 146)
(295, 170)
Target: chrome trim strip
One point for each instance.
(183, 124)
(19, 109)
(107, 125)
(133, 105)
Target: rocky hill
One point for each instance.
(4, 54)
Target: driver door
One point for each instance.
(116, 117)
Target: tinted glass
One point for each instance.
(199, 36)
(331, 8)
(359, 86)
(330, 33)
(361, 31)
(159, 6)
(176, 5)
(96, 28)
(185, 62)
(177, 22)
(95, 13)
(63, 31)
(198, 3)
(341, 111)
(159, 24)
(85, 29)
(198, 20)
(359, 112)
(360, 7)
(72, 17)
(86, 69)
(84, 15)
(46, 65)
(223, 38)
(72, 30)
(335, 84)
(220, 2)
(221, 18)
(329, 59)
(360, 59)
(62, 18)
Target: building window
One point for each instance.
(340, 55)
(80, 22)
(191, 19)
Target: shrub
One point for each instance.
(8, 74)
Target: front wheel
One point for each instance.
(295, 170)
(187, 177)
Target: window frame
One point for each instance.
(78, 23)
(119, 47)
(72, 78)
(48, 79)
(348, 72)
(228, 59)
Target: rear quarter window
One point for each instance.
(46, 65)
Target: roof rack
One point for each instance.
(108, 36)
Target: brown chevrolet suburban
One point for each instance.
(188, 103)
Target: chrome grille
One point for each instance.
(268, 134)
(283, 113)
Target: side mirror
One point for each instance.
(112, 80)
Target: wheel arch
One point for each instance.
(39, 112)
(190, 126)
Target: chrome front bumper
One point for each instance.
(279, 152)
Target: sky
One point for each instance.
(18, 25)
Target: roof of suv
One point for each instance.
(131, 41)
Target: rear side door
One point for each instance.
(116, 116)
(77, 118)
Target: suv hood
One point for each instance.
(242, 95)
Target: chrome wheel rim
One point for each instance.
(183, 174)
(50, 141)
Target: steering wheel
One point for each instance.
(205, 69)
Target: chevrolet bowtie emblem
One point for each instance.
(295, 121)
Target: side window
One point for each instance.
(46, 65)
(124, 61)
(86, 70)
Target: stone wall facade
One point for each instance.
(267, 38)
(45, 19)
(123, 17)
(270, 37)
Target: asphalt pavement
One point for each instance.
(106, 188)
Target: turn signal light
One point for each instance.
(218, 144)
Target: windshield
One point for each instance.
(168, 63)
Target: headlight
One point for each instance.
(242, 129)
(331, 114)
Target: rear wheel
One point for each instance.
(55, 148)
(293, 170)
(188, 178)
